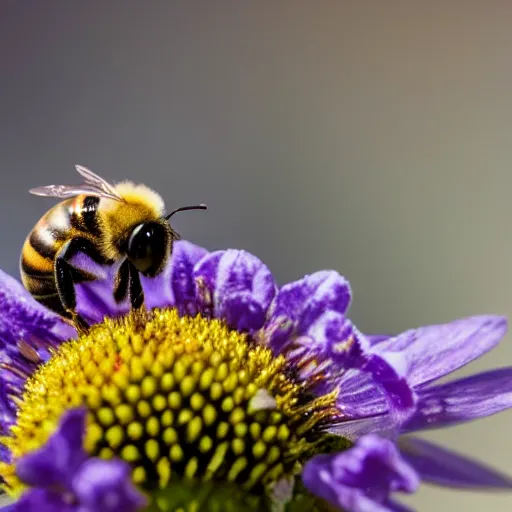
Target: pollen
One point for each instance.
(177, 397)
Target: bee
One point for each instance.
(108, 223)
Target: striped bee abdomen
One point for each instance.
(68, 219)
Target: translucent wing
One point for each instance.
(64, 191)
(95, 181)
(93, 185)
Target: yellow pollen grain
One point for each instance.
(148, 386)
(130, 453)
(106, 416)
(143, 408)
(170, 436)
(188, 385)
(283, 432)
(93, 436)
(106, 453)
(240, 429)
(206, 379)
(132, 393)
(238, 446)
(124, 414)
(194, 428)
(269, 434)
(191, 467)
(176, 453)
(115, 436)
(259, 449)
(139, 475)
(184, 416)
(205, 444)
(153, 426)
(159, 403)
(273, 455)
(209, 414)
(239, 465)
(167, 382)
(174, 400)
(163, 468)
(255, 430)
(237, 415)
(216, 391)
(135, 431)
(152, 449)
(227, 404)
(222, 372)
(222, 430)
(197, 401)
(167, 418)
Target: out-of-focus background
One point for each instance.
(374, 138)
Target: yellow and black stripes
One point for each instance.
(68, 220)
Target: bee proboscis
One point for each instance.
(106, 222)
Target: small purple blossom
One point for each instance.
(362, 478)
(63, 478)
(386, 384)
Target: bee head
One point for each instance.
(150, 243)
(149, 246)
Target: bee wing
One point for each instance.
(97, 182)
(65, 191)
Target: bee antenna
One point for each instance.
(184, 208)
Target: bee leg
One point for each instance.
(136, 292)
(66, 276)
(122, 281)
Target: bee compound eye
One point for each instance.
(147, 247)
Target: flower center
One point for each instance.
(179, 398)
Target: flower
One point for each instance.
(230, 389)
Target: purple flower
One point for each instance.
(380, 385)
(362, 478)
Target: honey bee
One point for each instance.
(106, 222)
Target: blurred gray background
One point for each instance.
(369, 137)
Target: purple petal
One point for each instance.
(377, 338)
(360, 396)
(440, 466)
(55, 463)
(42, 500)
(175, 286)
(362, 478)
(24, 318)
(106, 486)
(438, 350)
(95, 299)
(299, 305)
(462, 400)
(237, 286)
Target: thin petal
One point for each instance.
(237, 286)
(55, 462)
(462, 400)
(438, 350)
(299, 305)
(441, 466)
(175, 285)
(106, 486)
(362, 478)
